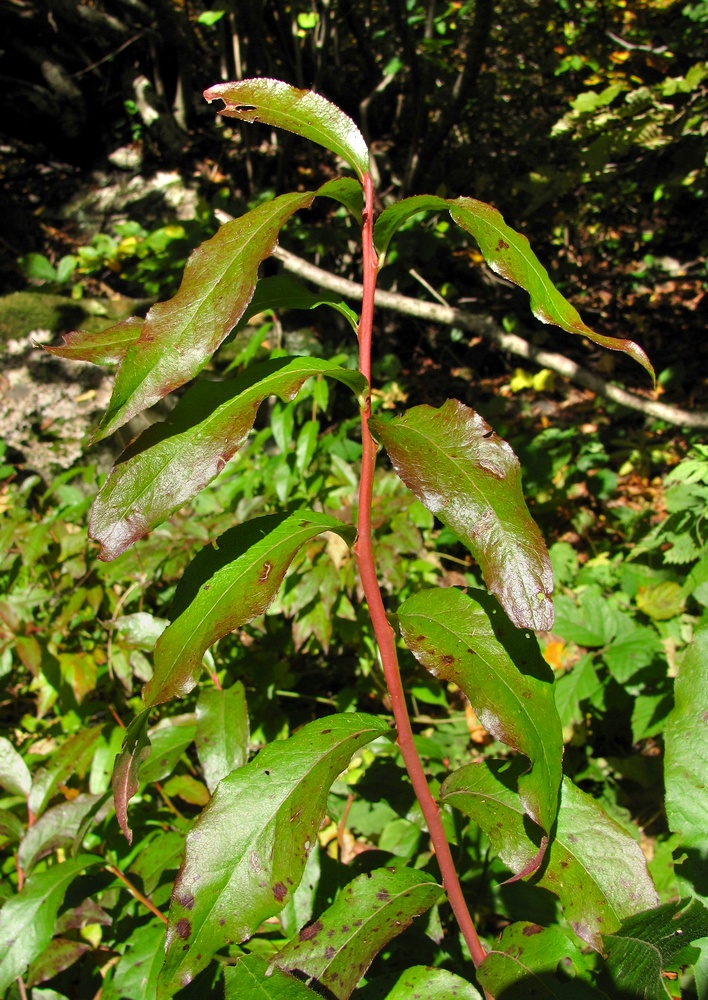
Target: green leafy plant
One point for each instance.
(256, 850)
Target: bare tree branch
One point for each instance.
(485, 326)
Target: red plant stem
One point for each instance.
(383, 632)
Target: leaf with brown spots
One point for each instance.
(523, 964)
(367, 914)
(596, 869)
(452, 460)
(421, 982)
(509, 254)
(226, 586)
(246, 853)
(251, 978)
(466, 639)
(172, 461)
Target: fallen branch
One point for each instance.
(485, 326)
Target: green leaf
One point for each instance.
(222, 732)
(71, 758)
(596, 869)
(650, 943)
(169, 738)
(686, 743)
(336, 950)
(662, 601)
(524, 960)
(163, 853)
(300, 111)
(209, 17)
(252, 978)
(470, 479)
(393, 217)
(509, 254)
(575, 686)
(57, 827)
(108, 347)
(14, 773)
(125, 783)
(140, 630)
(348, 192)
(27, 919)
(179, 336)
(225, 586)
(135, 976)
(247, 851)
(423, 982)
(172, 461)
(283, 291)
(630, 652)
(502, 672)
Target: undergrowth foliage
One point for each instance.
(261, 906)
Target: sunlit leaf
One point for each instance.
(71, 758)
(15, 776)
(222, 732)
(171, 461)
(462, 638)
(253, 978)
(179, 336)
(509, 254)
(420, 981)
(226, 586)
(105, 348)
(686, 743)
(336, 950)
(596, 869)
(523, 963)
(470, 479)
(300, 111)
(27, 919)
(650, 943)
(246, 853)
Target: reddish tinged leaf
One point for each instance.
(60, 954)
(509, 254)
(459, 469)
(226, 586)
(300, 111)
(105, 348)
(136, 748)
(506, 679)
(179, 336)
(170, 462)
(337, 949)
(596, 869)
(246, 853)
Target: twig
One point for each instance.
(485, 326)
(136, 892)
